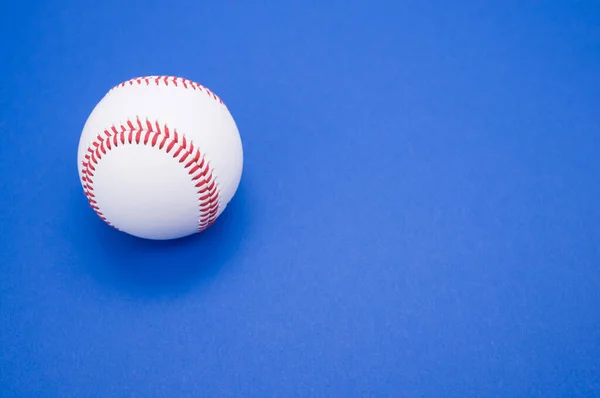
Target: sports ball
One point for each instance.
(160, 157)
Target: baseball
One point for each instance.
(160, 157)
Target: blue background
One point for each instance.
(418, 214)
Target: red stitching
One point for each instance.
(169, 81)
(167, 140)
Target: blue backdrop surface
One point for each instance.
(418, 214)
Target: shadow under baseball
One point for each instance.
(149, 268)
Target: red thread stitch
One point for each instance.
(171, 142)
(168, 81)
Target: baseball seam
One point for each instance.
(168, 81)
(171, 142)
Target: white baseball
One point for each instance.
(160, 157)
